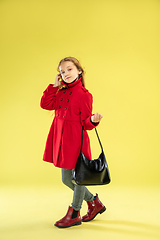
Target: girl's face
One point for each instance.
(68, 71)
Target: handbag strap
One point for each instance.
(97, 137)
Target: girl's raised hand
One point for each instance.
(57, 80)
(96, 117)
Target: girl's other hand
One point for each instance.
(57, 80)
(96, 117)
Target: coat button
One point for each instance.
(63, 116)
(67, 100)
(57, 115)
(59, 106)
(64, 91)
(61, 99)
(65, 108)
(70, 93)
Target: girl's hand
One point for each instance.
(96, 117)
(57, 80)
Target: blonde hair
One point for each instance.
(78, 66)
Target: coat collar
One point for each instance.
(70, 85)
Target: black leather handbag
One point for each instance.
(91, 172)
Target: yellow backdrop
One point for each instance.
(117, 42)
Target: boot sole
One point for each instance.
(101, 211)
(74, 224)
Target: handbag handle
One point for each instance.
(97, 137)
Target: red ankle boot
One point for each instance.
(67, 220)
(94, 207)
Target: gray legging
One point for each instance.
(80, 192)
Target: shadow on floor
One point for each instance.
(125, 227)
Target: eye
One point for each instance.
(69, 69)
(62, 72)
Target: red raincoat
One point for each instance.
(73, 109)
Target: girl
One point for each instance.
(72, 103)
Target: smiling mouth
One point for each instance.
(67, 77)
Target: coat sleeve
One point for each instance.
(48, 100)
(86, 112)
